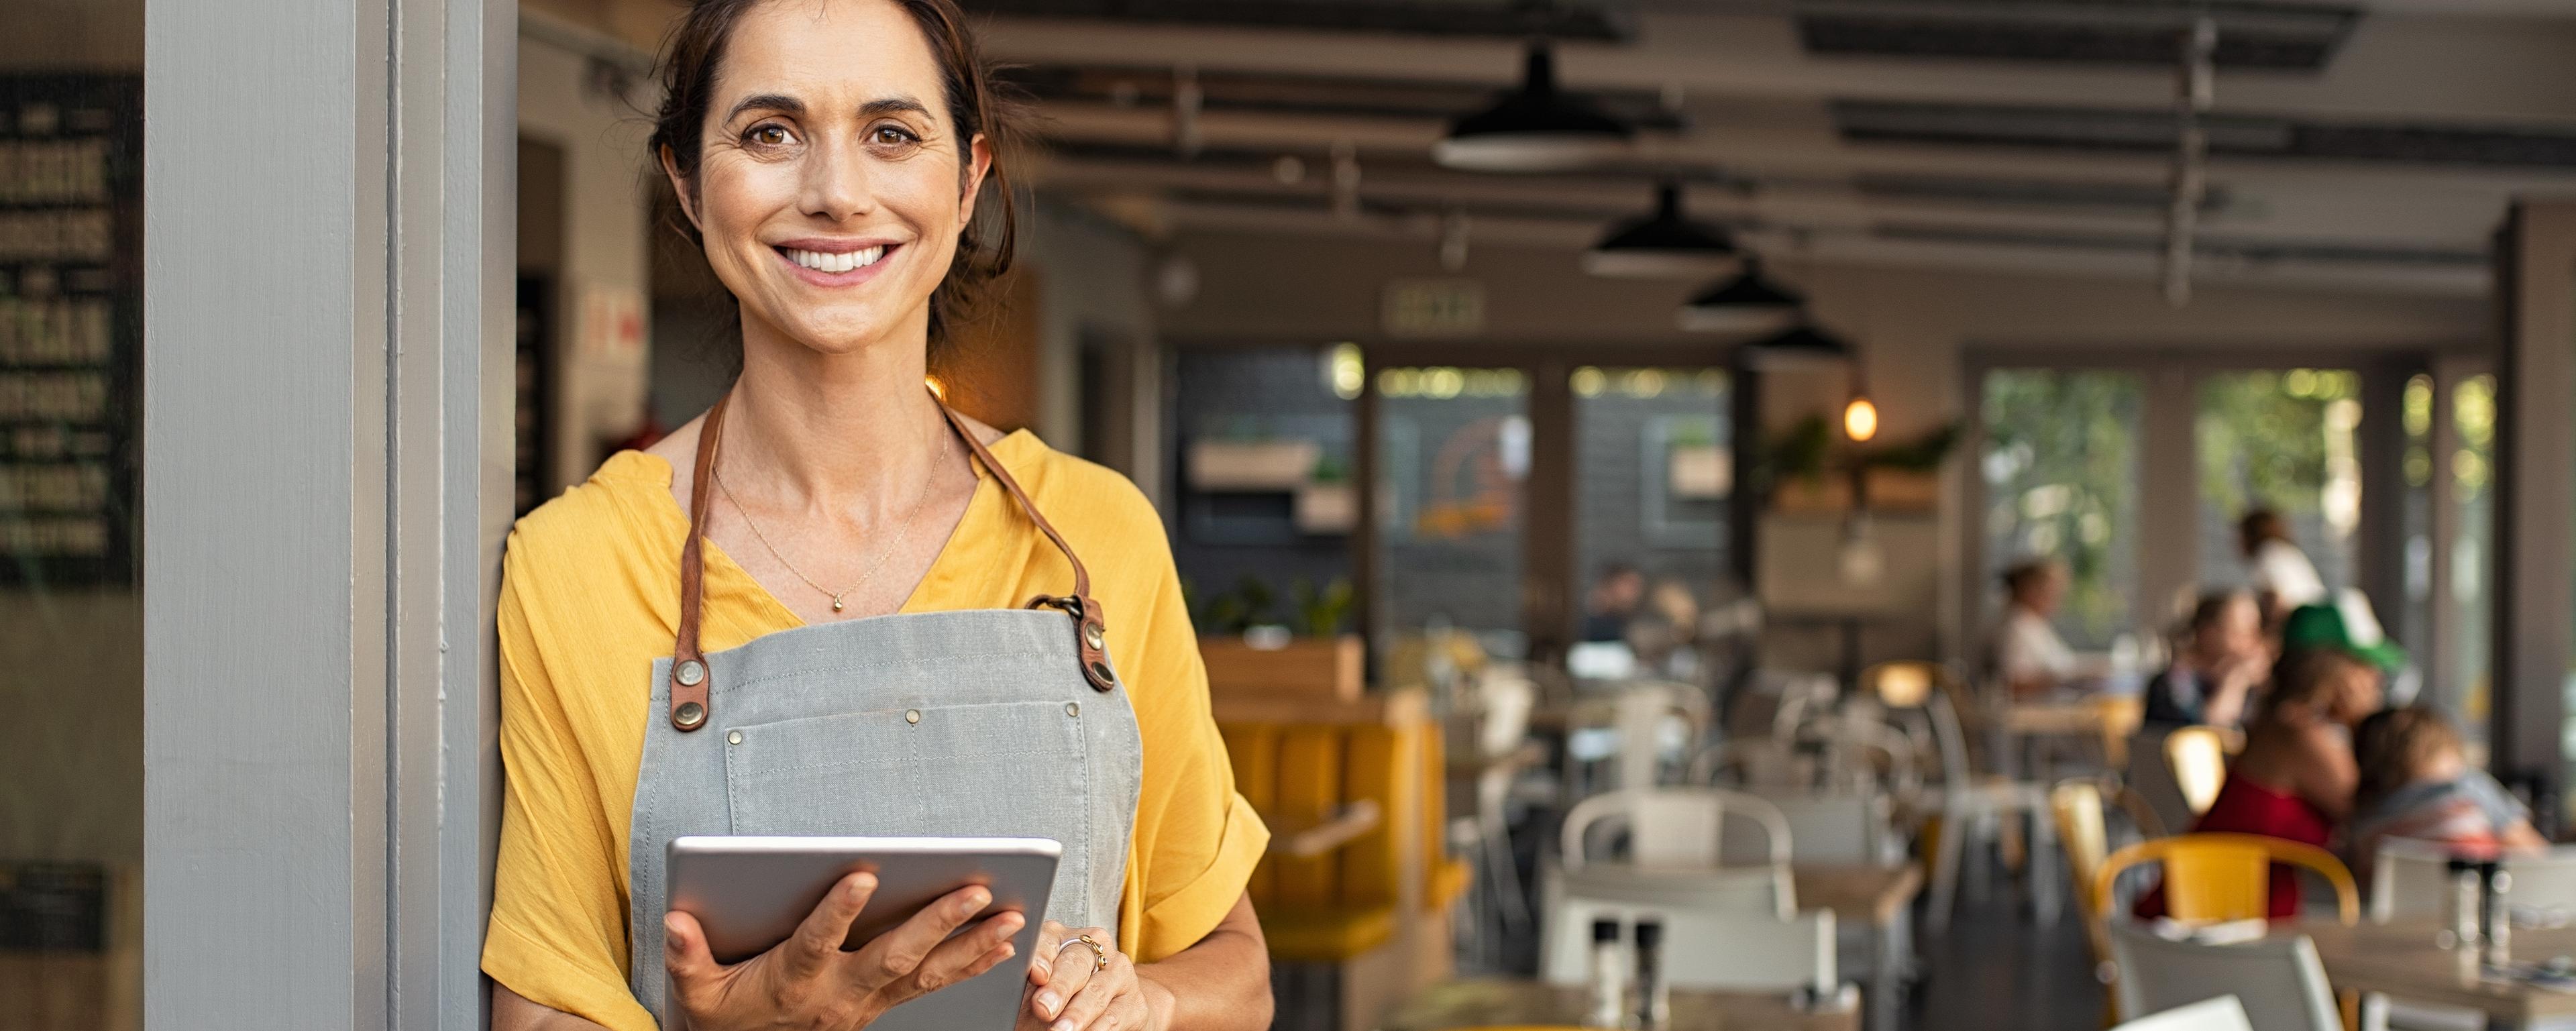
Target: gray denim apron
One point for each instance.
(1001, 722)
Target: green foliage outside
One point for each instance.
(2061, 468)
(2263, 437)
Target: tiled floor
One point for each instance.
(1997, 971)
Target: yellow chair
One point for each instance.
(2077, 805)
(2214, 877)
(1372, 907)
(2198, 756)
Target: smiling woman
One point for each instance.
(845, 645)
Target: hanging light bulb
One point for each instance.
(1860, 419)
(1534, 128)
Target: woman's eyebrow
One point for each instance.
(892, 105)
(779, 102)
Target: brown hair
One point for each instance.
(2304, 676)
(2213, 607)
(978, 103)
(2395, 746)
(2263, 524)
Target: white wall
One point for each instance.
(599, 396)
(1912, 327)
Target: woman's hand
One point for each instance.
(1069, 989)
(808, 982)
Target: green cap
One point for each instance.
(2346, 626)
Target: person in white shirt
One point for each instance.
(2028, 657)
(2279, 574)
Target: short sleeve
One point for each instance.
(2501, 808)
(1196, 840)
(558, 931)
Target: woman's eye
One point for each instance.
(892, 135)
(770, 136)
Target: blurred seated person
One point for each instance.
(2217, 665)
(2279, 574)
(2416, 783)
(2028, 657)
(1615, 598)
(2296, 777)
(1664, 631)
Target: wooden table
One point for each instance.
(2109, 720)
(1881, 897)
(2399, 959)
(1498, 1002)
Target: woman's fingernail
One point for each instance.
(1061, 1025)
(1047, 1002)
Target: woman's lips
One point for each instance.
(837, 268)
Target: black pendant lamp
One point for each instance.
(1748, 302)
(1803, 346)
(1534, 128)
(1663, 245)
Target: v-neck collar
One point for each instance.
(952, 573)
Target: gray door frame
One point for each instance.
(328, 225)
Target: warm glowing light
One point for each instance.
(937, 389)
(1860, 419)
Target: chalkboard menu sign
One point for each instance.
(71, 327)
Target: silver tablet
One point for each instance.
(750, 893)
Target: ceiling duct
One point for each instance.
(1306, 94)
(2050, 194)
(2233, 250)
(2230, 135)
(2252, 35)
(1509, 19)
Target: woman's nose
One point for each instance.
(836, 186)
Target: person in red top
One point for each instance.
(2296, 776)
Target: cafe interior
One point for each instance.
(1771, 513)
(1594, 438)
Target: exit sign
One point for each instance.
(1434, 308)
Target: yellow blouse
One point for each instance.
(590, 597)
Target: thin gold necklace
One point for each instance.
(896, 539)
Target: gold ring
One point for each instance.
(1099, 953)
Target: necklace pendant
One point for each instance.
(836, 604)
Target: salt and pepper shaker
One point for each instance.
(2460, 923)
(2497, 913)
(1654, 998)
(1609, 978)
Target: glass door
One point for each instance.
(1652, 471)
(1453, 465)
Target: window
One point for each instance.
(2061, 474)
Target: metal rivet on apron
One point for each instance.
(689, 715)
(912, 715)
(1091, 636)
(733, 737)
(692, 673)
(1073, 708)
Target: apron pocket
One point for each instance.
(1011, 769)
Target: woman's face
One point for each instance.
(832, 185)
(2357, 694)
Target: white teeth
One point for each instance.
(825, 261)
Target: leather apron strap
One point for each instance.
(690, 676)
